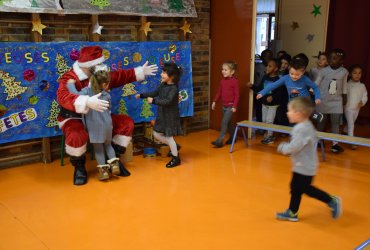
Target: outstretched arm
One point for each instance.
(122, 76)
(315, 88)
(271, 87)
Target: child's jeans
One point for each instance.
(226, 123)
(268, 115)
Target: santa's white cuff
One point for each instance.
(81, 104)
(75, 151)
(121, 140)
(139, 73)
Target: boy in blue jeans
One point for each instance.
(302, 148)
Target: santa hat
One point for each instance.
(90, 56)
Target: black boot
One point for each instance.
(123, 171)
(80, 174)
(175, 161)
(121, 150)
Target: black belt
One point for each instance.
(65, 113)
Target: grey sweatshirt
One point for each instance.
(302, 148)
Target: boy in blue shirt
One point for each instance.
(297, 84)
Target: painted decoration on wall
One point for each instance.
(38, 26)
(310, 37)
(145, 27)
(294, 25)
(97, 28)
(316, 10)
(162, 8)
(185, 28)
(29, 75)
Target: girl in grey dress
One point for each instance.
(167, 123)
(99, 124)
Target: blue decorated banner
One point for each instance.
(29, 74)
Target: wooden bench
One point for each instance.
(284, 129)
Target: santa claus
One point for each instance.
(72, 106)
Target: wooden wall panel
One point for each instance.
(231, 39)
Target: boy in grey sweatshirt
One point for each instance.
(302, 148)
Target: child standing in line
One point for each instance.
(228, 91)
(322, 62)
(356, 98)
(166, 97)
(332, 82)
(302, 148)
(284, 64)
(99, 124)
(259, 72)
(281, 118)
(272, 100)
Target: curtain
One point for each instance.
(349, 29)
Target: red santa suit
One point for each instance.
(72, 105)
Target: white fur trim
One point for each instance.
(100, 67)
(80, 74)
(81, 104)
(121, 140)
(75, 151)
(112, 160)
(139, 73)
(103, 166)
(91, 63)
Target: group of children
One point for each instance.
(302, 96)
(334, 90)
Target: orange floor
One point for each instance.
(214, 200)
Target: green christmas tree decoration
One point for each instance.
(3, 110)
(12, 88)
(61, 66)
(54, 112)
(146, 109)
(176, 5)
(128, 90)
(34, 4)
(122, 110)
(100, 3)
(145, 6)
(3, 1)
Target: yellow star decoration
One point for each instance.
(146, 28)
(186, 28)
(38, 26)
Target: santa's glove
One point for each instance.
(97, 104)
(149, 70)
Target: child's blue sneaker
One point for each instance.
(287, 215)
(336, 206)
(268, 140)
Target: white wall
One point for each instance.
(294, 41)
